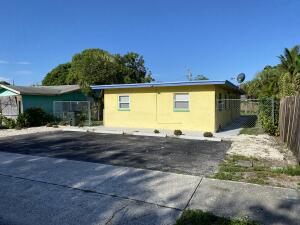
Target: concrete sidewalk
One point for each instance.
(42, 190)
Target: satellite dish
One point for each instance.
(240, 78)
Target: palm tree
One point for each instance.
(290, 66)
(290, 60)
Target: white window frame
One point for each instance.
(181, 109)
(119, 102)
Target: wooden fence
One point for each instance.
(289, 122)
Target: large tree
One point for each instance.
(96, 66)
(277, 81)
(93, 66)
(131, 69)
(265, 83)
(57, 76)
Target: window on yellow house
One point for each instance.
(124, 102)
(181, 102)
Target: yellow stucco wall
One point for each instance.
(153, 108)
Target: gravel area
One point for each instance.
(260, 146)
(32, 130)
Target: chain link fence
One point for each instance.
(10, 106)
(75, 113)
(245, 113)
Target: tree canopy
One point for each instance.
(97, 66)
(4, 82)
(57, 76)
(201, 77)
(277, 81)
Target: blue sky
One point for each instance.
(216, 38)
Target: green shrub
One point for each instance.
(33, 117)
(49, 125)
(269, 124)
(55, 126)
(156, 131)
(7, 123)
(177, 132)
(208, 134)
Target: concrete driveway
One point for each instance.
(192, 157)
(38, 190)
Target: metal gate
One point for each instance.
(244, 113)
(73, 112)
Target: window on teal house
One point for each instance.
(124, 103)
(181, 102)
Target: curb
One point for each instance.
(187, 137)
(106, 132)
(147, 134)
(199, 138)
(75, 129)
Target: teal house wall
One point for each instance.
(46, 102)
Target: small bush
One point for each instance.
(34, 117)
(49, 125)
(64, 123)
(55, 126)
(177, 132)
(156, 131)
(208, 134)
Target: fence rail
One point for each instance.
(289, 122)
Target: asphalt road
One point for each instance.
(164, 154)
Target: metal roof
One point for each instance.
(167, 84)
(41, 90)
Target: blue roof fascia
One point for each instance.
(164, 84)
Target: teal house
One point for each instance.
(16, 99)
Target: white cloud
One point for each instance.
(24, 72)
(24, 63)
(3, 62)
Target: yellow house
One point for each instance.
(190, 105)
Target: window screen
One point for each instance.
(181, 101)
(124, 102)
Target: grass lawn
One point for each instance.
(252, 131)
(258, 171)
(256, 129)
(198, 217)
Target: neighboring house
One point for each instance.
(16, 99)
(191, 105)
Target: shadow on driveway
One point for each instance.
(165, 154)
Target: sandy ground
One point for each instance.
(13, 132)
(260, 146)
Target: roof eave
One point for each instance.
(10, 89)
